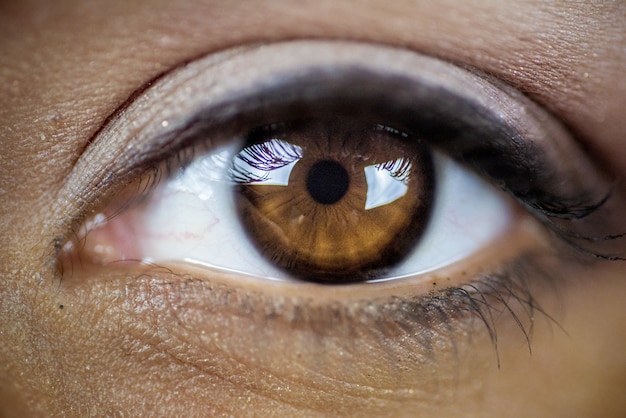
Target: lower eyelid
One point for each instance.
(193, 319)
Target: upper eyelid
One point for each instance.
(158, 120)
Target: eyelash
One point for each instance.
(422, 317)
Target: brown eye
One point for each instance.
(333, 200)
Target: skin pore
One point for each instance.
(133, 340)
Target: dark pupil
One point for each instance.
(327, 182)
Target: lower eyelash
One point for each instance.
(437, 319)
(421, 328)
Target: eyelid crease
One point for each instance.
(477, 120)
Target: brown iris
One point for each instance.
(333, 200)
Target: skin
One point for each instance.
(125, 344)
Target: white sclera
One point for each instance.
(192, 217)
(468, 214)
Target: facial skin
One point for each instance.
(110, 340)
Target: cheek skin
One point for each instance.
(151, 347)
(577, 367)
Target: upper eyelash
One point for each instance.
(557, 211)
(547, 205)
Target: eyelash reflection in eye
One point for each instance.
(477, 121)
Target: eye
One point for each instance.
(215, 169)
(326, 200)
